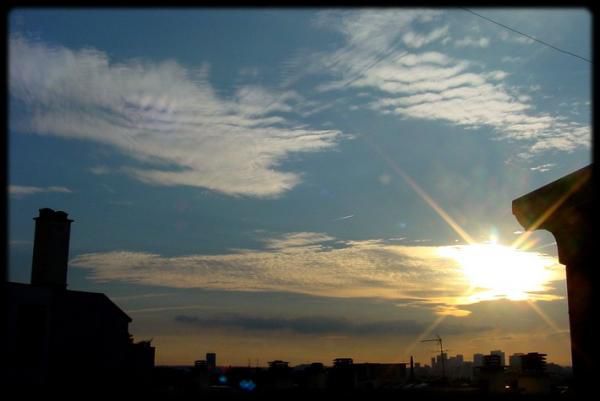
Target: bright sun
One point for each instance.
(497, 271)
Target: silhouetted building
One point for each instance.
(61, 337)
(211, 361)
(457, 368)
(342, 375)
(501, 355)
(491, 374)
(341, 362)
(565, 208)
(200, 375)
(141, 359)
(372, 376)
(277, 364)
(477, 360)
(279, 375)
(533, 363)
(492, 361)
(314, 377)
(439, 364)
(514, 362)
(533, 378)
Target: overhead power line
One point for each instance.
(528, 36)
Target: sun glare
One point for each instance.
(496, 271)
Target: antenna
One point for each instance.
(438, 339)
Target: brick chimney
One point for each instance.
(51, 249)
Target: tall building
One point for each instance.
(501, 355)
(492, 362)
(477, 360)
(491, 376)
(211, 360)
(533, 378)
(514, 361)
(533, 363)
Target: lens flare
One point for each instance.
(496, 271)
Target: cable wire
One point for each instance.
(528, 36)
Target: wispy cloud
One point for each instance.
(165, 116)
(20, 191)
(511, 59)
(140, 296)
(344, 217)
(433, 85)
(168, 308)
(543, 167)
(415, 40)
(100, 170)
(297, 240)
(469, 41)
(314, 264)
(514, 38)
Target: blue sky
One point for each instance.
(256, 182)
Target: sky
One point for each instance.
(302, 184)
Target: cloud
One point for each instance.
(301, 240)
(20, 191)
(515, 38)
(100, 170)
(415, 40)
(164, 116)
(543, 167)
(432, 85)
(318, 264)
(321, 325)
(511, 59)
(469, 41)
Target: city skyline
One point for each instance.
(302, 184)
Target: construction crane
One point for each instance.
(438, 340)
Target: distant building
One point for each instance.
(533, 378)
(200, 376)
(61, 337)
(514, 362)
(477, 360)
(439, 364)
(457, 368)
(277, 364)
(279, 375)
(533, 363)
(339, 362)
(342, 375)
(501, 355)
(211, 361)
(491, 376)
(314, 376)
(492, 361)
(379, 375)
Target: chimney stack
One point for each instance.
(51, 249)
